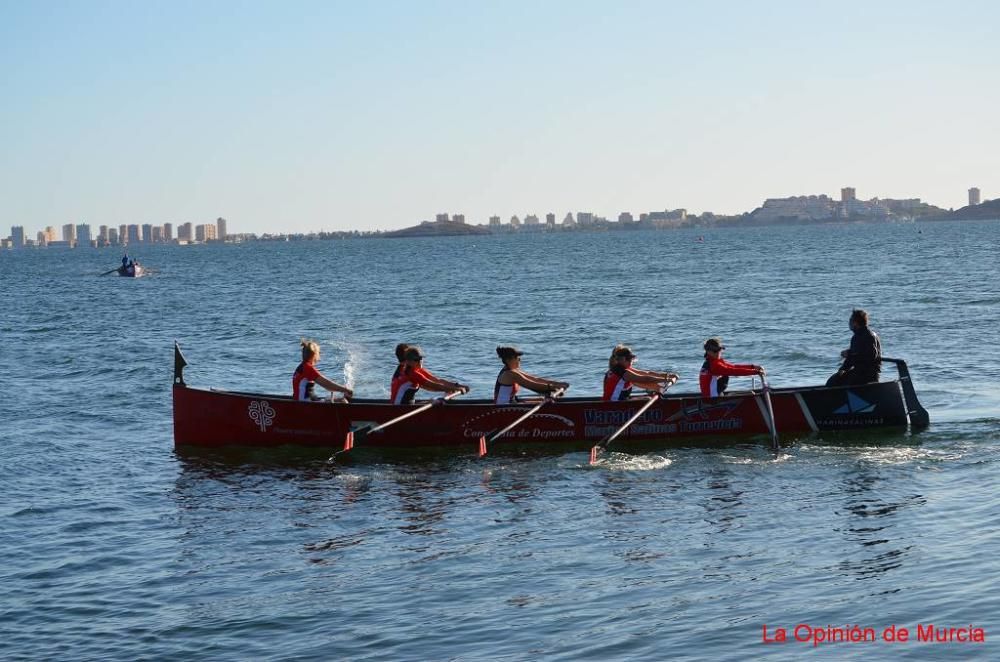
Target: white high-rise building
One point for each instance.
(974, 198)
(204, 232)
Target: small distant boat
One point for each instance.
(136, 271)
(216, 418)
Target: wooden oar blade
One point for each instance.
(594, 452)
(482, 446)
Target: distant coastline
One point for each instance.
(800, 210)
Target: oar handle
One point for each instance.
(558, 393)
(449, 396)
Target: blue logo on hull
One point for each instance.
(855, 405)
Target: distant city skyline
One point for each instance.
(315, 116)
(820, 208)
(805, 206)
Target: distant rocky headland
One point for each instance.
(437, 229)
(985, 211)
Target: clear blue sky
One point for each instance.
(300, 116)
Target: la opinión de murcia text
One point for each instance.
(804, 633)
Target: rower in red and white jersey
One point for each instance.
(401, 358)
(511, 377)
(411, 376)
(716, 371)
(622, 376)
(306, 375)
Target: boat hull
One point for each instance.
(210, 418)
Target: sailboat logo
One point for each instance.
(855, 405)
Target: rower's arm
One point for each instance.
(638, 378)
(536, 384)
(653, 374)
(434, 383)
(333, 386)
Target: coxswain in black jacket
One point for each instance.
(863, 360)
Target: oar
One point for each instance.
(362, 432)
(770, 413)
(110, 272)
(603, 443)
(483, 441)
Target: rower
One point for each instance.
(716, 371)
(412, 377)
(307, 376)
(622, 375)
(400, 358)
(511, 377)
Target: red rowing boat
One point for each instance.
(215, 418)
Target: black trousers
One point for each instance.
(852, 377)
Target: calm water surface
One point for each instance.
(116, 547)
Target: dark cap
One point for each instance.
(507, 353)
(413, 353)
(714, 345)
(623, 352)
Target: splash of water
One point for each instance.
(626, 462)
(349, 375)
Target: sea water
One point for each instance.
(117, 547)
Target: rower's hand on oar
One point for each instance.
(667, 383)
(345, 396)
